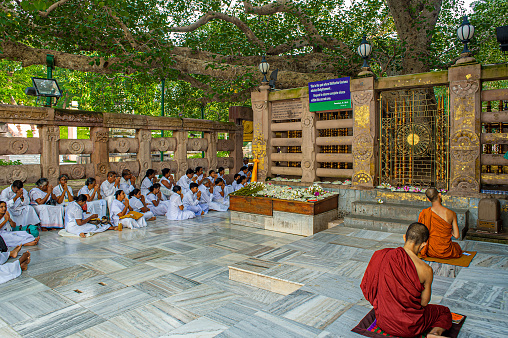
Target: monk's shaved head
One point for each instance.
(432, 194)
(417, 233)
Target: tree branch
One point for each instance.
(51, 8)
(216, 15)
(125, 29)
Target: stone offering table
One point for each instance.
(293, 217)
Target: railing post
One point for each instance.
(465, 128)
(309, 147)
(211, 151)
(237, 154)
(261, 140)
(181, 152)
(144, 155)
(100, 155)
(50, 156)
(364, 147)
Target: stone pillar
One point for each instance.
(181, 152)
(144, 153)
(211, 151)
(465, 128)
(262, 134)
(50, 156)
(309, 147)
(100, 155)
(364, 131)
(237, 153)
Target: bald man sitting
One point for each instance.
(398, 285)
(442, 225)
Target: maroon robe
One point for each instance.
(391, 284)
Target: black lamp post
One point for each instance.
(364, 50)
(465, 34)
(502, 38)
(264, 67)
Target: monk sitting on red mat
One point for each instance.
(442, 225)
(398, 285)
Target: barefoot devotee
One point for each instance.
(13, 238)
(12, 270)
(94, 202)
(176, 210)
(191, 201)
(219, 193)
(155, 201)
(127, 181)
(18, 204)
(137, 203)
(206, 189)
(398, 285)
(167, 182)
(442, 225)
(119, 208)
(62, 193)
(109, 187)
(76, 224)
(185, 181)
(51, 216)
(147, 181)
(199, 174)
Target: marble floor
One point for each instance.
(171, 279)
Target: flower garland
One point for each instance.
(406, 188)
(309, 194)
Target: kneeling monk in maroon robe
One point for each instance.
(398, 285)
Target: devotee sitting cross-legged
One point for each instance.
(219, 193)
(442, 224)
(51, 215)
(148, 181)
(206, 189)
(18, 204)
(13, 238)
(62, 193)
(127, 181)
(109, 187)
(94, 202)
(119, 208)
(154, 201)
(398, 285)
(10, 271)
(76, 224)
(191, 200)
(167, 182)
(185, 181)
(137, 203)
(176, 210)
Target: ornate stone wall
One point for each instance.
(262, 133)
(465, 128)
(99, 146)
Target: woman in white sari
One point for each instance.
(147, 182)
(175, 209)
(219, 194)
(51, 216)
(137, 203)
(62, 193)
(94, 202)
(120, 207)
(167, 182)
(155, 202)
(76, 224)
(13, 238)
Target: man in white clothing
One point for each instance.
(109, 188)
(191, 200)
(127, 182)
(185, 181)
(18, 204)
(198, 173)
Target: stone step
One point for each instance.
(386, 224)
(265, 282)
(402, 212)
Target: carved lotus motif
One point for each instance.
(18, 147)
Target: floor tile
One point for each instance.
(201, 299)
(202, 327)
(114, 303)
(166, 286)
(136, 274)
(67, 276)
(89, 288)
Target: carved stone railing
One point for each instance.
(100, 145)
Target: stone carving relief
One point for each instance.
(307, 121)
(52, 171)
(146, 135)
(465, 88)
(102, 136)
(53, 133)
(19, 114)
(102, 169)
(226, 145)
(464, 146)
(259, 106)
(122, 145)
(361, 98)
(76, 147)
(362, 116)
(362, 147)
(78, 171)
(161, 144)
(18, 147)
(362, 177)
(19, 173)
(465, 183)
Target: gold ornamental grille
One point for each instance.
(335, 132)
(414, 138)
